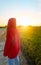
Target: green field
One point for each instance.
(30, 38)
(31, 43)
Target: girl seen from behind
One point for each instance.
(12, 44)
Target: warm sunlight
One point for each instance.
(22, 21)
(25, 21)
(26, 12)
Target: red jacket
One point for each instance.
(12, 44)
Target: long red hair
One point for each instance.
(11, 28)
(12, 33)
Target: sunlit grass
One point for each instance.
(31, 43)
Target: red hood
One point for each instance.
(11, 28)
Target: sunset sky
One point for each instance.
(26, 12)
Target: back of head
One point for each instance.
(11, 27)
(12, 23)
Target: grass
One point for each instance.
(31, 43)
(30, 38)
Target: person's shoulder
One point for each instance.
(16, 30)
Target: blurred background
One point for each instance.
(28, 21)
